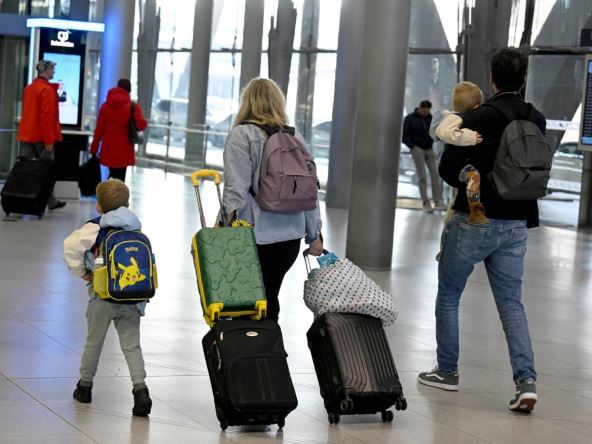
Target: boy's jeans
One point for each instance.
(501, 245)
(126, 318)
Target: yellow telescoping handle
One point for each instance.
(200, 174)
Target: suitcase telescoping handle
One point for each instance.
(306, 254)
(195, 178)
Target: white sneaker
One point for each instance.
(440, 206)
(427, 207)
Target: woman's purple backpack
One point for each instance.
(288, 176)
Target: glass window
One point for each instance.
(558, 22)
(434, 24)
(329, 12)
(228, 23)
(176, 22)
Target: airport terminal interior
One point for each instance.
(315, 51)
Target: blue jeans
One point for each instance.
(501, 245)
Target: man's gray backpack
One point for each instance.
(523, 161)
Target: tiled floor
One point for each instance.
(42, 333)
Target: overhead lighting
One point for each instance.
(65, 24)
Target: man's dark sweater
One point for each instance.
(490, 123)
(416, 130)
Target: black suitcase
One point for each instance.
(354, 366)
(249, 373)
(28, 186)
(89, 176)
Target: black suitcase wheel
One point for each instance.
(387, 416)
(346, 405)
(281, 423)
(223, 425)
(401, 404)
(333, 418)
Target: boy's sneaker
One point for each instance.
(83, 393)
(525, 397)
(427, 207)
(142, 402)
(437, 378)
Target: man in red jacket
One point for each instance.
(39, 127)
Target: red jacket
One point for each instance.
(40, 118)
(113, 129)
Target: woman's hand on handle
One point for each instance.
(316, 248)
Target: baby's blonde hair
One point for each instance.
(466, 96)
(262, 101)
(112, 194)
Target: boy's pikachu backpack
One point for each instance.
(227, 265)
(128, 273)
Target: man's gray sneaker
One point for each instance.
(437, 378)
(525, 397)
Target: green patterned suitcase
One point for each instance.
(227, 266)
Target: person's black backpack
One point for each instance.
(523, 161)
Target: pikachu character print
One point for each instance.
(130, 275)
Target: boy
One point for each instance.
(112, 204)
(446, 128)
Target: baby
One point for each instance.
(446, 128)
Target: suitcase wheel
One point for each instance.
(333, 418)
(281, 423)
(401, 404)
(346, 405)
(387, 416)
(223, 425)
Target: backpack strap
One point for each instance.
(271, 130)
(511, 116)
(103, 232)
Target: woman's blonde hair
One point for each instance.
(262, 101)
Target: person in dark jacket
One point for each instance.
(112, 130)
(500, 245)
(416, 135)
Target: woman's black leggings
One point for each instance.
(117, 173)
(276, 259)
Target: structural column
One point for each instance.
(117, 44)
(252, 41)
(381, 92)
(488, 32)
(307, 68)
(281, 43)
(198, 80)
(347, 73)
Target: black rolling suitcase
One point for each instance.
(28, 186)
(89, 176)
(354, 366)
(249, 373)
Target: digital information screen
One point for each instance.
(67, 76)
(586, 128)
(67, 49)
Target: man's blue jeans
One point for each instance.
(501, 245)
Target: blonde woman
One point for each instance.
(278, 235)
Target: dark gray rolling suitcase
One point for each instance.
(354, 366)
(28, 186)
(249, 372)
